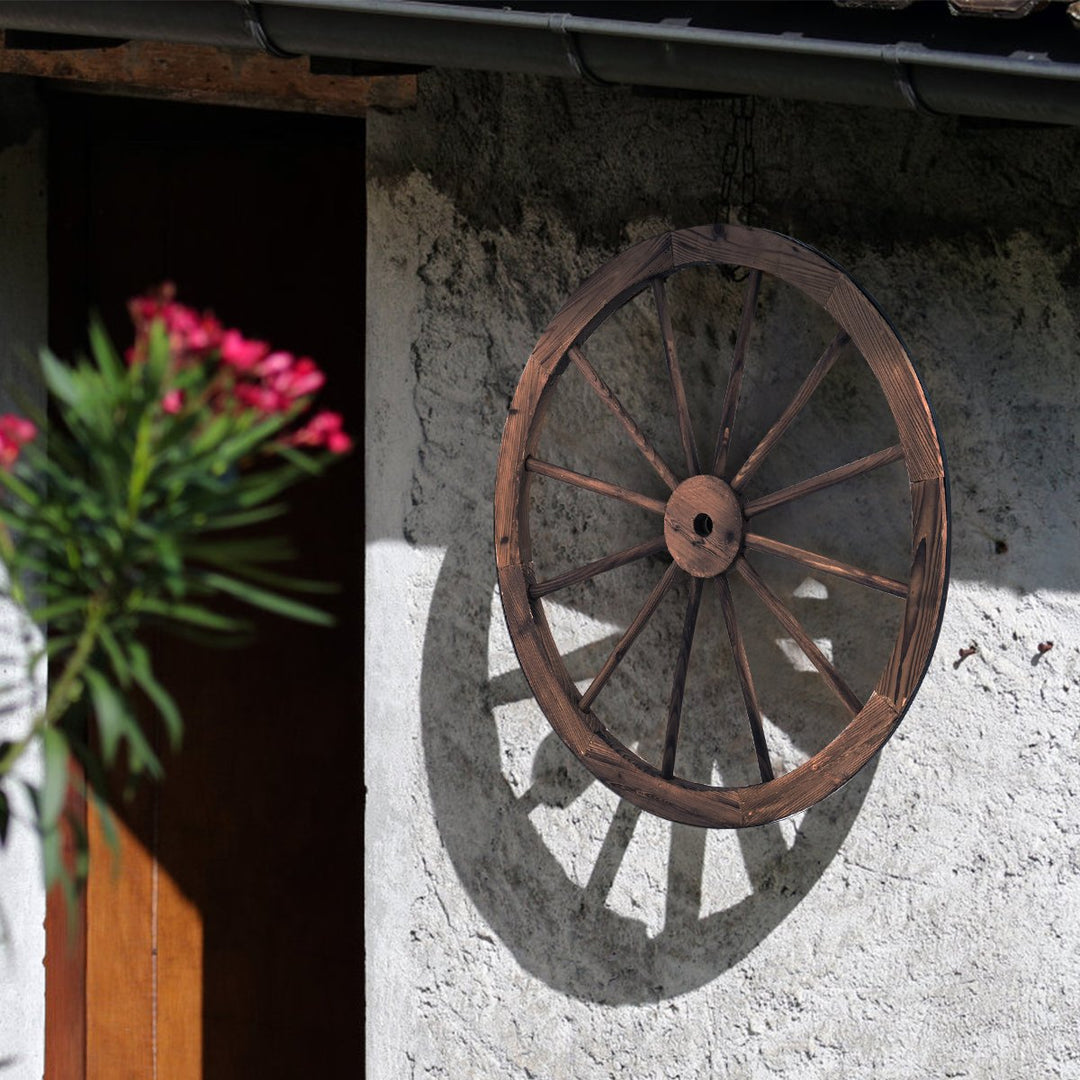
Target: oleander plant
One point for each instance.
(144, 507)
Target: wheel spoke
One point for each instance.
(826, 565)
(678, 390)
(805, 642)
(632, 631)
(580, 663)
(738, 359)
(590, 483)
(599, 566)
(607, 395)
(678, 682)
(824, 480)
(772, 436)
(746, 680)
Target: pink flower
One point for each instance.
(191, 334)
(282, 381)
(261, 397)
(239, 352)
(15, 433)
(289, 377)
(338, 442)
(324, 429)
(304, 379)
(277, 363)
(173, 402)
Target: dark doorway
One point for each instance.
(259, 823)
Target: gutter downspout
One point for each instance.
(1023, 86)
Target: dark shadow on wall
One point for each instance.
(559, 931)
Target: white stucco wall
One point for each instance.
(925, 921)
(22, 317)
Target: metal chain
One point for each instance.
(738, 172)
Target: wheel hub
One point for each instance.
(703, 526)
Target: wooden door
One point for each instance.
(230, 943)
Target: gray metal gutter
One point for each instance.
(948, 73)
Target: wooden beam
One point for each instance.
(65, 957)
(210, 76)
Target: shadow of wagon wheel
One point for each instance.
(560, 928)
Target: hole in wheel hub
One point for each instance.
(703, 526)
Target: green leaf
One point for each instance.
(61, 607)
(60, 379)
(107, 820)
(241, 549)
(5, 818)
(243, 518)
(82, 852)
(52, 856)
(17, 488)
(159, 355)
(51, 648)
(285, 581)
(168, 553)
(111, 714)
(143, 674)
(54, 789)
(212, 434)
(116, 722)
(268, 601)
(116, 656)
(311, 465)
(237, 446)
(189, 613)
(261, 488)
(104, 352)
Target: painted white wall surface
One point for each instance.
(522, 922)
(23, 290)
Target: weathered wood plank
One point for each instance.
(591, 483)
(889, 361)
(787, 620)
(734, 383)
(598, 566)
(746, 681)
(211, 76)
(825, 480)
(922, 615)
(678, 680)
(645, 613)
(65, 958)
(784, 421)
(826, 565)
(738, 245)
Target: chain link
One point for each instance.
(738, 172)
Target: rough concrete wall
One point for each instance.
(924, 921)
(22, 318)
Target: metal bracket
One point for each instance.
(253, 23)
(557, 24)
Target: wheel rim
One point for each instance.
(709, 527)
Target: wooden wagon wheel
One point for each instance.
(708, 528)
